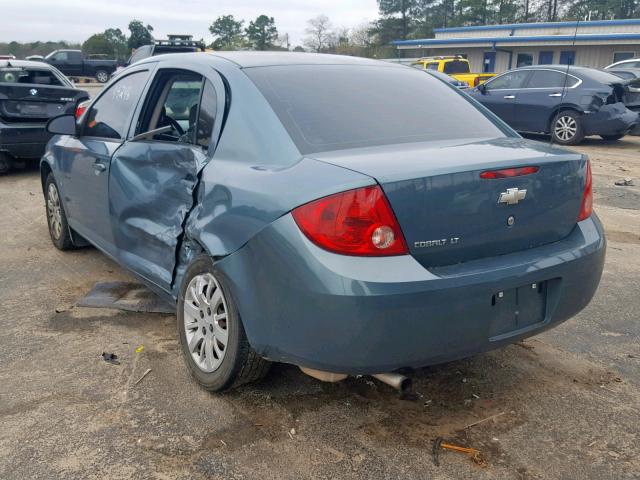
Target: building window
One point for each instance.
(567, 57)
(545, 57)
(524, 60)
(620, 56)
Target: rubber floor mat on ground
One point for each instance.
(128, 296)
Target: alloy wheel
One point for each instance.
(54, 211)
(102, 77)
(566, 128)
(205, 322)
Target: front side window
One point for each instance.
(61, 57)
(508, 81)
(432, 66)
(109, 115)
(173, 103)
(335, 107)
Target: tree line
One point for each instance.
(398, 19)
(405, 19)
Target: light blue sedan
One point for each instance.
(307, 209)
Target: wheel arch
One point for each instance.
(45, 170)
(562, 107)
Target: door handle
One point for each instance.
(509, 97)
(555, 94)
(99, 167)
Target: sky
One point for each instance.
(76, 20)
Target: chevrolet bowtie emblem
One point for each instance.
(512, 196)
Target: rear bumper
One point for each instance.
(611, 119)
(303, 305)
(23, 140)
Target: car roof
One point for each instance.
(25, 64)
(251, 59)
(561, 68)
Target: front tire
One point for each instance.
(56, 218)
(566, 128)
(102, 76)
(612, 138)
(212, 337)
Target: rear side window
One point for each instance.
(550, 79)
(432, 66)
(333, 107)
(109, 116)
(206, 116)
(456, 66)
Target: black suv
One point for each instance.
(173, 44)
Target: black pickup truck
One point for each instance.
(74, 64)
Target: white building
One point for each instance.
(496, 48)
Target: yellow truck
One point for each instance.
(455, 66)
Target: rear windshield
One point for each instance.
(602, 77)
(30, 76)
(456, 66)
(334, 107)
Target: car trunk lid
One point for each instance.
(449, 214)
(36, 103)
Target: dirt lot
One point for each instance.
(564, 405)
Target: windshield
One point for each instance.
(333, 107)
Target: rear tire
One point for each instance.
(566, 128)
(212, 337)
(5, 163)
(56, 218)
(102, 76)
(612, 138)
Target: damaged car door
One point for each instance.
(85, 159)
(153, 175)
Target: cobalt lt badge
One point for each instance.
(512, 196)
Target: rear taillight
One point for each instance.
(509, 172)
(356, 222)
(586, 208)
(81, 108)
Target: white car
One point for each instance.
(628, 63)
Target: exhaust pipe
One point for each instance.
(394, 380)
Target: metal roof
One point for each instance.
(519, 26)
(519, 39)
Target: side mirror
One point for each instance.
(63, 125)
(482, 88)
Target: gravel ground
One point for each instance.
(562, 405)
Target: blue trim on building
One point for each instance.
(515, 39)
(519, 26)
